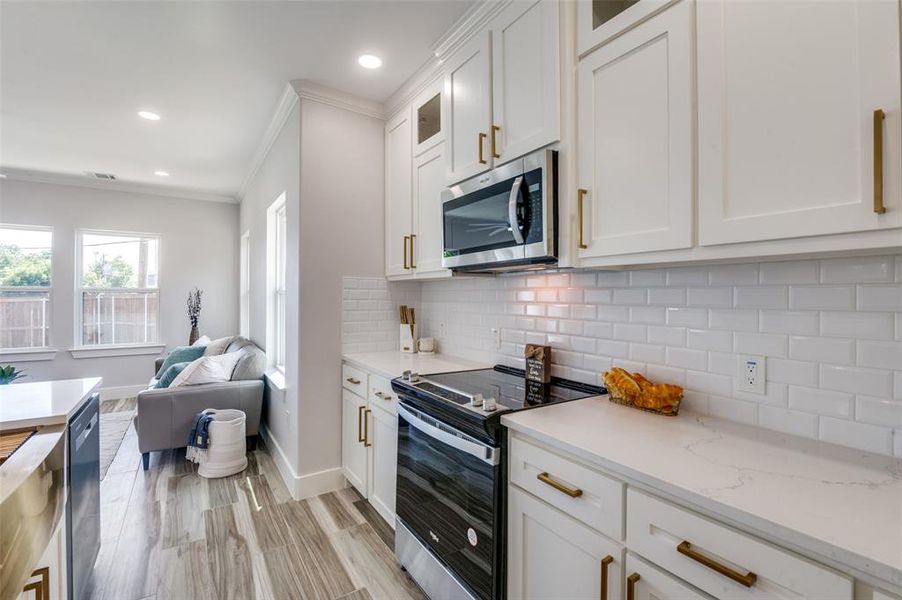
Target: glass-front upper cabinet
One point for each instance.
(427, 119)
(601, 20)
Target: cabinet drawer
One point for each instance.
(720, 560)
(584, 494)
(648, 582)
(381, 394)
(354, 379)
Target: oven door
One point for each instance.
(448, 495)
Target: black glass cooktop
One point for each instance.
(507, 385)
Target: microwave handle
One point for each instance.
(512, 210)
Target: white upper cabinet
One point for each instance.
(466, 110)
(600, 20)
(525, 79)
(635, 139)
(787, 94)
(428, 183)
(398, 194)
(427, 119)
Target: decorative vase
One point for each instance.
(194, 335)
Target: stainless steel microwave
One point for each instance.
(505, 219)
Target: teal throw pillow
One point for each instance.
(181, 354)
(170, 374)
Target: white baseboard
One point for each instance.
(122, 391)
(301, 486)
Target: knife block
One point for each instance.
(408, 335)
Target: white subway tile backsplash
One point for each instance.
(822, 297)
(874, 326)
(861, 269)
(870, 438)
(829, 350)
(880, 297)
(802, 271)
(832, 347)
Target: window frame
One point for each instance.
(244, 284)
(78, 338)
(48, 306)
(276, 283)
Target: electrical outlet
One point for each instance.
(441, 330)
(496, 337)
(752, 373)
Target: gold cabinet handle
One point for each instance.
(631, 586)
(382, 395)
(406, 237)
(413, 265)
(360, 410)
(482, 159)
(353, 381)
(366, 428)
(607, 560)
(580, 199)
(40, 588)
(495, 130)
(748, 580)
(879, 117)
(549, 480)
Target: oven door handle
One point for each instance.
(486, 454)
(512, 210)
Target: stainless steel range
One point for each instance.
(452, 462)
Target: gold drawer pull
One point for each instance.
(748, 580)
(607, 560)
(366, 428)
(360, 410)
(631, 586)
(382, 395)
(482, 159)
(353, 381)
(547, 479)
(879, 116)
(580, 199)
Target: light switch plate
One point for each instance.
(752, 373)
(496, 337)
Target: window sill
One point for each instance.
(12, 355)
(276, 379)
(116, 350)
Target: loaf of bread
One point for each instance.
(634, 389)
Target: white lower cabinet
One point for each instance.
(555, 548)
(550, 555)
(369, 438)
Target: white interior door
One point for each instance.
(467, 110)
(635, 138)
(525, 79)
(550, 555)
(353, 452)
(428, 183)
(398, 193)
(384, 439)
(786, 99)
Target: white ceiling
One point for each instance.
(73, 75)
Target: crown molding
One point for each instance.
(287, 101)
(316, 92)
(421, 79)
(33, 176)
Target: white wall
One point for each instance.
(278, 173)
(198, 247)
(341, 234)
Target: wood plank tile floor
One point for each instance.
(169, 534)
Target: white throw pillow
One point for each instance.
(218, 346)
(207, 369)
(202, 341)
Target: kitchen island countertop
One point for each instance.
(42, 403)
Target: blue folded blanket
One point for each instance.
(199, 436)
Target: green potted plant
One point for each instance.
(9, 373)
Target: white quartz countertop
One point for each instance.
(819, 499)
(43, 403)
(393, 364)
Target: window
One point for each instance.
(118, 289)
(25, 274)
(244, 299)
(276, 255)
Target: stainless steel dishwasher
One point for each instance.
(83, 506)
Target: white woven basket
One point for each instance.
(227, 451)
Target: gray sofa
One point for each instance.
(165, 416)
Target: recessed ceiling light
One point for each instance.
(150, 116)
(368, 61)
(161, 173)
